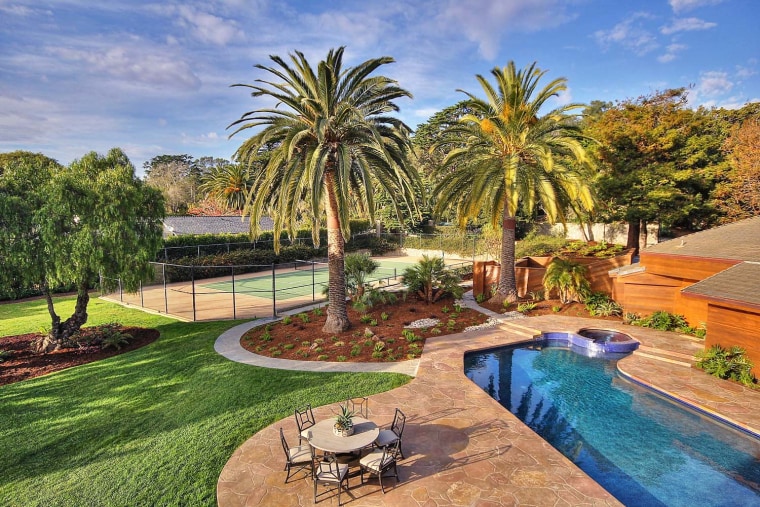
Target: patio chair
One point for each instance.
(326, 471)
(380, 461)
(304, 420)
(296, 458)
(359, 405)
(392, 435)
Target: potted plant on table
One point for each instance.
(344, 422)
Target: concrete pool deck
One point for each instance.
(462, 447)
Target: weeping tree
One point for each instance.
(505, 154)
(73, 224)
(330, 139)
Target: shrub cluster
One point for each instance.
(665, 321)
(731, 364)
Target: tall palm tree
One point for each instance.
(504, 154)
(228, 185)
(330, 137)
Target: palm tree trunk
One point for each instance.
(337, 313)
(507, 288)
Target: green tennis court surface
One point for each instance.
(300, 282)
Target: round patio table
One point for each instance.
(323, 438)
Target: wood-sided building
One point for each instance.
(711, 277)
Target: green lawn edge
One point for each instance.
(153, 426)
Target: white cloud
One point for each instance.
(743, 72)
(209, 28)
(23, 11)
(687, 5)
(631, 34)
(686, 25)
(671, 52)
(485, 21)
(714, 83)
(132, 62)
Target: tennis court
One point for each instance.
(229, 292)
(306, 279)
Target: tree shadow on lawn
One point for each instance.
(176, 401)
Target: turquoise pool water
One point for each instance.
(644, 449)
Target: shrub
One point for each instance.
(288, 346)
(287, 320)
(568, 278)
(323, 357)
(480, 298)
(384, 316)
(556, 308)
(358, 268)
(410, 336)
(341, 358)
(599, 303)
(431, 280)
(664, 321)
(731, 363)
(266, 336)
(355, 350)
(379, 346)
(365, 319)
(304, 317)
(318, 312)
(115, 339)
(526, 307)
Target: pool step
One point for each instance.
(666, 356)
(511, 326)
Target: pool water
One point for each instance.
(642, 448)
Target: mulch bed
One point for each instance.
(21, 363)
(302, 338)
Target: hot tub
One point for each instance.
(595, 341)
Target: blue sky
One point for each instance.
(154, 78)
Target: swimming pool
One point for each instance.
(644, 449)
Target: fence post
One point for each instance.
(142, 296)
(234, 307)
(192, 276)
(199, 251)
(166, 296)
(100, 278)
(121, 292)
(274, 295)
(313, 285)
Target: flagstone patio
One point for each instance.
(462, 447)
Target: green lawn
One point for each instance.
(151, 427)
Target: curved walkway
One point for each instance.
(461, 446)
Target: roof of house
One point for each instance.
(738, 241)
(737, 283)
(180, 225)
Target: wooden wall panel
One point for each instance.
(647, 299)
(730, 326)
(683, 267)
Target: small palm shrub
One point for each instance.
(431, 280)
(526, 307)
(600, 304)
(568, 278)
(731, 364)
(372, 297)
(358, 268)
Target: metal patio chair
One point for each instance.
(304, 420)
(296, 458)
(326, 471)
(392, 435)
(380, 461)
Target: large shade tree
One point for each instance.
(506, 154)
(72, 224)
(330, 138)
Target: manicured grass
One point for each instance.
(151, 427)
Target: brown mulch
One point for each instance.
(21, 363)
(302, 338)
(549, 307)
